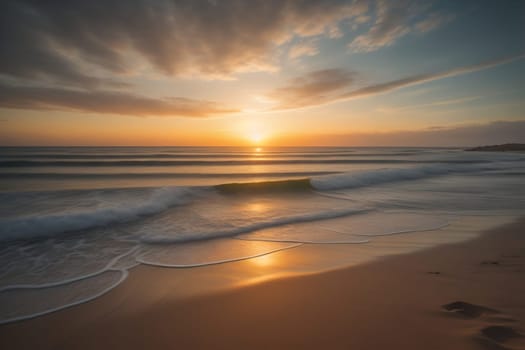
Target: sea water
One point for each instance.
(74, 221)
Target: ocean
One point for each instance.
(74, 221)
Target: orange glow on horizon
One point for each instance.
(256, 138)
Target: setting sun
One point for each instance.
(256, 138)
(256, 131)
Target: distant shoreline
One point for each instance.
(507, 147)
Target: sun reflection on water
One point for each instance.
(257, 207)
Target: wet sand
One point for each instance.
(458, 296)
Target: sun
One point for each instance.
(252, 131)
(256, 138)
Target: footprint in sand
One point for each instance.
(494, 336)
(500, 334)
(502, 337)
(468, 310)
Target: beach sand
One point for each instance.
(467, 295)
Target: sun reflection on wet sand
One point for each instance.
(296, 260)
(264, 260)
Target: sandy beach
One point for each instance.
(335, 174)
(399, 302)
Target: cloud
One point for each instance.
(63, 41)
(395, 19)
(110, 102)
(322, 88)
(303, 48)
(447, 102)
(423, 78)
(311, 89)
(434, 21)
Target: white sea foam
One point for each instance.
(195, 236)
(385, 224)
(49, 225)
(209, 252)
(26, 303)
(307, 233)
(351, 229)
(78, 272)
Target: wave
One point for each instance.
(387, 175)
(327, 182)
(148, 163)
(33, 175)
(79, 156)
(160, 199)
(266, 186)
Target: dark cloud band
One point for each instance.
(106, 102)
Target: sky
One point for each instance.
(269, 73)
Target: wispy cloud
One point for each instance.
(57, 40)
(303, 48)
(106, 102)
(308, 90)
(447, 102)
(64, 41)
(423, 78)
(395, 19)
(434, 21)
(314, 88)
